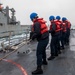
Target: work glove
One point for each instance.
(33, 36)
(52, 31)
(31, 33)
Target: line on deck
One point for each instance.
(18, 65)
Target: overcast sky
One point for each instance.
(44, 8)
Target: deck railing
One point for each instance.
(8, 42)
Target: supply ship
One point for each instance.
(9, 23)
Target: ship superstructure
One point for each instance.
(8, 23)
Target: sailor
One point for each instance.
(55, 31)
(40, 32)
(68, 26)
(59, 22)
(64, 30)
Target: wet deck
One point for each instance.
(24, 64)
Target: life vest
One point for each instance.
(43, 26)
(0, 7)
(64, 27)
(68, 24)
(58, 27)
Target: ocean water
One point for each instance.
(13, 40)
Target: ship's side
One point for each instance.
(9, 23)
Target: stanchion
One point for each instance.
(3, 48)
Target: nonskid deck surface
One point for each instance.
(25, 63)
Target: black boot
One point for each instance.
(51, 57)
(56, 55)
(44, 62)
(38, 70)
(62, 48)
(59, 52)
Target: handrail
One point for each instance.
(11, 41)
(15, 49)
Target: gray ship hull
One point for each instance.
(14, 29)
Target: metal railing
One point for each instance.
(7, 43)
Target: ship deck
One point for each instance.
(25, 63)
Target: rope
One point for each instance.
(17, 47)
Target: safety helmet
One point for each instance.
(51, 18)
(64, 18)
(33, 15)
(58, 17)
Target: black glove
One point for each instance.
(49, 31)
(31, 33)
(52, 31)
(33, 36)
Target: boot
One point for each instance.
(56, 55)
(59, 52)
(62, 48)
(44, 62)
(51, 57)
(38, 70)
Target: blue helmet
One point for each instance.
(58, 17)
(33, 15)
(51, 18)
(64, 18)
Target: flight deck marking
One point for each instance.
(18, 65)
